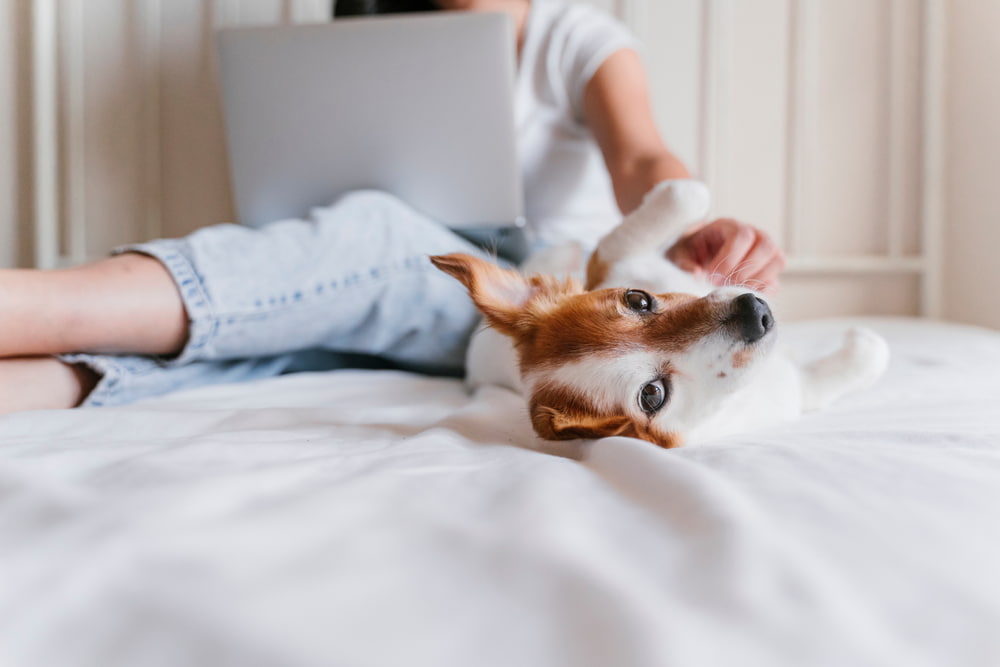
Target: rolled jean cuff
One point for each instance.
(117, 375)
(203, 324)
(125, 379)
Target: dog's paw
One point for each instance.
(682, 200)
(860, 361)
(867, 354)
(666, 212)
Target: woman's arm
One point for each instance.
(619, 114)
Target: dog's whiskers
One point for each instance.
(728, 280)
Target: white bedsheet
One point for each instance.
(379, 518)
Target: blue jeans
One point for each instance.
(351, 285)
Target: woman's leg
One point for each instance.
(37, 383)
(235, 303)
(353, 277)
(127, 303)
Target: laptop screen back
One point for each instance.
(420, 106)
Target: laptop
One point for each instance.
(418, 105)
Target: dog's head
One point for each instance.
(619, 361)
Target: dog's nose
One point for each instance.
(752, 317)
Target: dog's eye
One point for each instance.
(652, 396)
(638, 300)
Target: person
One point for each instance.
(229, 303)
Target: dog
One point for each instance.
(643, 348)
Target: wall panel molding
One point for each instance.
(933, 177)
(150, 26)
(895, 128)
(73, 124)
(801, 77)
(45, 144)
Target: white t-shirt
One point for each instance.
(567, 189)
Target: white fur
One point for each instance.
(710, 394)
(606, 384)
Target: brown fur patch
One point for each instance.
(553, 321)
(561, 413)
(742, 357)
(510, 302)
(600, 323)
(597, 271)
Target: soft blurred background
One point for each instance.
(863, 134)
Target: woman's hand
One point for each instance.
(618, 112)
(730, 252)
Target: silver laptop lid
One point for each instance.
(418, 105)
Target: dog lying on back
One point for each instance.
(644, 349)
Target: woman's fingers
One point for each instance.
(729, 260)
(761, 267)
(733, 253)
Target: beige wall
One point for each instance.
(816, 142)
(972, 232)
(15, 183)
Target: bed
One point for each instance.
(382, 518)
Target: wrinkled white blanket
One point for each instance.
(380, 518)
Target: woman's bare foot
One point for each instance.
(40, 383)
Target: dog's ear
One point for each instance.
(509, 301)
(559, 413)
(567, 424)
(499, 294)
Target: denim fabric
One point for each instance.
(352, 279)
